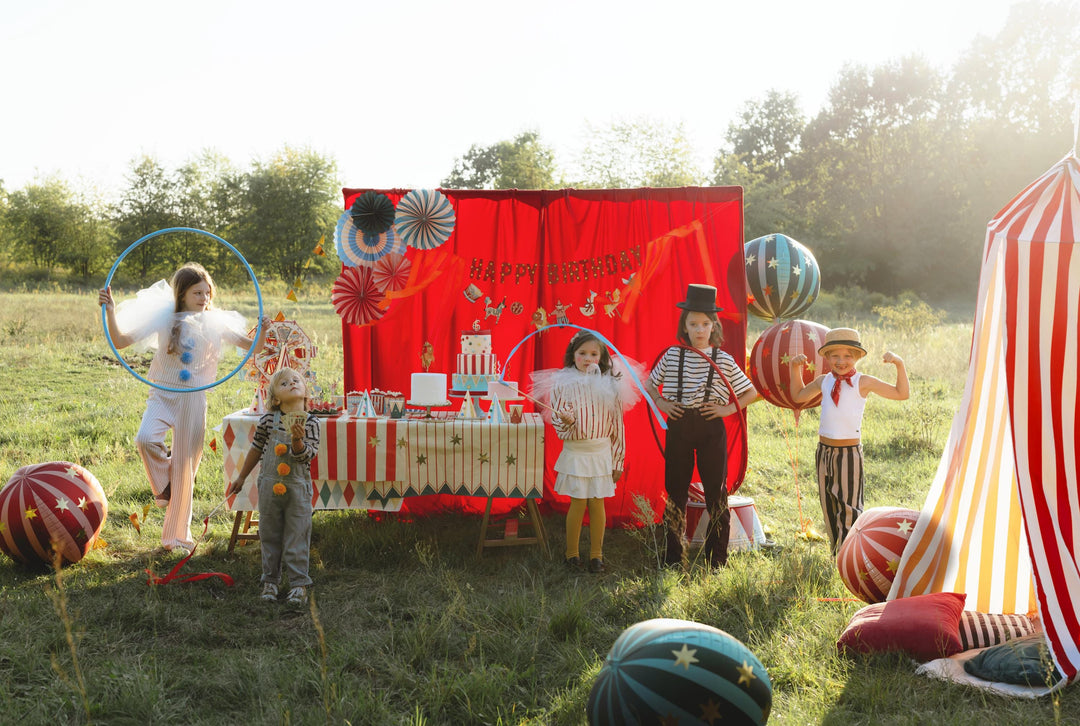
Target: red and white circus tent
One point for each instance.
(1002, 519)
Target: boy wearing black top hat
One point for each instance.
(686, 388)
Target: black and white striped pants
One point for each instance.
(840, 488)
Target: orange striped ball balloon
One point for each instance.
(871, 551)
(45, 506)
(770, 360)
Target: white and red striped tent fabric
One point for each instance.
(1002, 519)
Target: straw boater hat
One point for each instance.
(700, 299)
(842, 338)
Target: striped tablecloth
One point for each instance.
(373, 463)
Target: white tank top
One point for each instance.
(843, 420)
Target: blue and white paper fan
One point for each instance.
(424, 219)
(357, 249)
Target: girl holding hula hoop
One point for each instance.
(178, 321)
(696, 400)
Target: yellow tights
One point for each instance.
(597, 521)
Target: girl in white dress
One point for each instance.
(178, 321)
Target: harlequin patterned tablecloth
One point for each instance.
(373, 463)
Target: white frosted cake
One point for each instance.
(428, 389)
(476, 365)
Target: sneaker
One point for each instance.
(296, 596)
(596, 565)
(269, 592)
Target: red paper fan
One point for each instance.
(356, 297)
(391, 272)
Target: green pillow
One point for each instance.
(1022, 661)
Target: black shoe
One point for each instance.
(596, 565)
(573, 563)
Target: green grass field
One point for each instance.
(408, 625)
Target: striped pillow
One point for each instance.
(979, 630)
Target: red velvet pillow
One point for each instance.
(924, 626)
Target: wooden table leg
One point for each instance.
(538, 525)
(483, 528)
(244, 535)
(511, 530)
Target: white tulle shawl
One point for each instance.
(617, 386)
(149, 316)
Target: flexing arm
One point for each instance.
(900, 391)
(120, 340)
(811, 389)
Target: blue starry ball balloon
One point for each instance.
(680, 672)
(782, 277)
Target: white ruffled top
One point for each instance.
(149, 319)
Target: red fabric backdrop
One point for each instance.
(631, 251)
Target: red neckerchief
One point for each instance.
(836, 385)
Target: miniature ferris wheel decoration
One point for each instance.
(286, 346)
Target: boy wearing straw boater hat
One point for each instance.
(843, 397)
(695, 401)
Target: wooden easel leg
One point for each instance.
(483, 528)
(538, 525)
(235, 531)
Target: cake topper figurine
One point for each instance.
(427, 355)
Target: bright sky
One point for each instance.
(395, 91)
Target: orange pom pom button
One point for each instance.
(283, 469)
(279, 488)
(280, 449)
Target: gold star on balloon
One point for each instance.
(669, 720)
(710, 711)
(893, 565)
(373, 441)
(31, 513)
(511, 459)
(864, 575)
(483, 458)
(402, 442)
(746, 673)
(785, 359)
(751, 259)
(684, 657)
(70, 471)
(810, 366)
(773, 263)
(421, 459)
(62, 504)
(455, 439)
(796, 270)
(83, 504)
(905, 526)
(3, 527)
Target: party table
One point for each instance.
(373, 463)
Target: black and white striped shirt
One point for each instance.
(695, 376)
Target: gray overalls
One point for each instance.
(284, 519)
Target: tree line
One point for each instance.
(890, 184)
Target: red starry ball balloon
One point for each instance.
(770, 361)
(43, 506)
(871, 551)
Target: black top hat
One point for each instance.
(700, 299)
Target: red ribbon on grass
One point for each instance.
(174, 573)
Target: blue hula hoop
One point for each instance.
(258, 294)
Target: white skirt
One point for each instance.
(583, 470)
